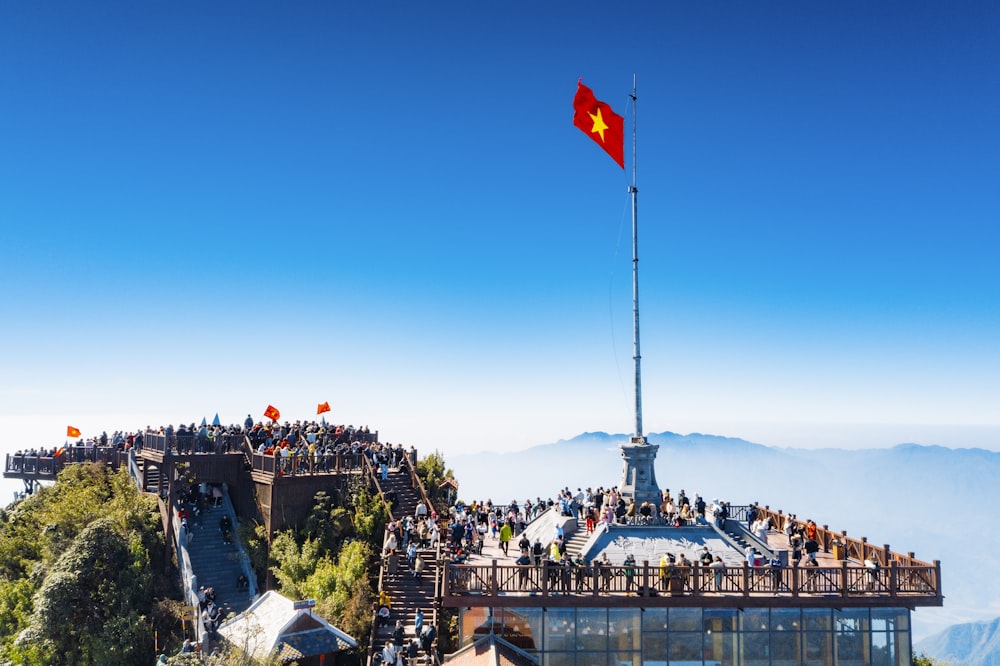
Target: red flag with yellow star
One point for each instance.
(322, 407)
(72, 432)
(272, 413)
(600, 123)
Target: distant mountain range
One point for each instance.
(972, 644)
(930, 500)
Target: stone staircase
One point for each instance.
(216, 563)
(576, 541)
(407, 592)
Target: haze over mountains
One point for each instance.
(929, 500)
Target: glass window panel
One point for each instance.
(624, 628)
(786, 619)
(721, 647)
(473, 623)
(523, 627)
(882, 646)
(890, 637)
(721, 619)
(685, 619)
(654, 619)
(654, 648)
(903, 655)
(592, 629)
(756, 619)
(818, 648)
(892, 618)
(560, 629)
(785, 646)
(756, 649)
(851, 619)
(818, 619)
(850, 635)
(624, 659)
(684, 647)
(591, 658)
(559, 659)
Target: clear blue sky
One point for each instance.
(208, 207)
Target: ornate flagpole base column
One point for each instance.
(638, 476)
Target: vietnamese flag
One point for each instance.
(600, 123)
(322, 407)
(272, 413)
(72, 432)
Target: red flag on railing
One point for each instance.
(272, 413)
(322, 407)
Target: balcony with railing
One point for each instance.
(645, 584)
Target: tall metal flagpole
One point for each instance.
(637, 357)
(638, 456)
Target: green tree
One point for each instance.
(370, 514)
(327, 524)
(293, 562)
(432, 472)
(92, 595)
(922, 659)
(253, 536)
(43, 542)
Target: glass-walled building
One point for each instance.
(688, 636)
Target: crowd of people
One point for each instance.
(598, 509)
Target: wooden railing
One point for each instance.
(513, 585)
(48, 467)
(845, 547)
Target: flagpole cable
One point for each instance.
(634, 190)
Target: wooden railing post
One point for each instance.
(494, 580)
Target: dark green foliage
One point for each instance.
(432, 472)
(77, 564)
(93, 595)
(327, 524)
(331, 557)
(253, 536)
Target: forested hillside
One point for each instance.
(82, 573)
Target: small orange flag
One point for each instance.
(72, 432)
(272, 413)
(322, 407)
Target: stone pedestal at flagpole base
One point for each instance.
(638, 473)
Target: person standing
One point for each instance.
(505, 534)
